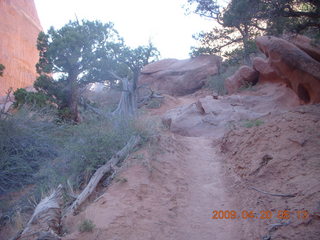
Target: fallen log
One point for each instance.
(97, 176)
(46, 219)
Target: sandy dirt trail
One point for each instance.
(207, 191)
(168, 193)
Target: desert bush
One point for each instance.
(87, 146)
(216, 82)
(253, 123)
(154, 103)
(24, 147)
(22, 97)
(86, 226)
(37, 149)
(91, 144)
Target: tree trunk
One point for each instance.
(245, 39)
(73, 98)
(45, 222)
(128, 101)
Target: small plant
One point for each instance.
(121, 180)
(86, 226)
(25, 146)
(2, 67)
(138, 156)
(248, 86)
(155, 103)
(216, 82)
(253, 123)
(22, 97)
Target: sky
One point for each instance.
(164, 22)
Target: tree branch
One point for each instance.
(97, 176)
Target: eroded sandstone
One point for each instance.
(179, 77)
(19, 28)
(295, 67)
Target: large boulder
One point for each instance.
(19, 29)
(295, 67)
(305, 44)
(209, 116)
(243, 77)
(179, 77)
(266, 72)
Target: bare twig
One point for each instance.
(3, 110)
(273, 194)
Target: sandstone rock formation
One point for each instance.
(244, 76)
(179, 77)
(19, 28)
(294, 66)
(305, 44)
(266, 72)
(209, 116)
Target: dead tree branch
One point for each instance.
(273, 194)
(46, 218)
(96, 178)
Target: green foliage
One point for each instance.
(216, 82)
(237, 56)
(2, 67)
(86, 226)
(91, 145)
(37, 149)
(154, 103)
(247, 86)
(25, 145)
(81, 53)
(85, 147)
(75, 55)
(33, 147)
(242, 20)
(22, 97)
(235, 30)
(253, 123)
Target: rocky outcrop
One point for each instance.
(179, 77)
(266, 72)
(245, 76)
(295, 67)
(209, 116)
(305, 44)
(19, 28)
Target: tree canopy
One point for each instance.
(81, 53)
(242, 20)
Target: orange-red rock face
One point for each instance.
(19, 29)
(295, 67)
(179, 77)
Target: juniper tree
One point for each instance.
(242, 20)
(86, 52)
(72, 57)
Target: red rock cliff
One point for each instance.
(19, 28)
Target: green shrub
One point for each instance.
(216, 82)
(91, 145)
(24, 147)
(22, 97)
(87, 146)
(37, 149)
(253, 123)
(2, 68)
(86, 226)
(154, 103)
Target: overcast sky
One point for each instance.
(162, 21)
